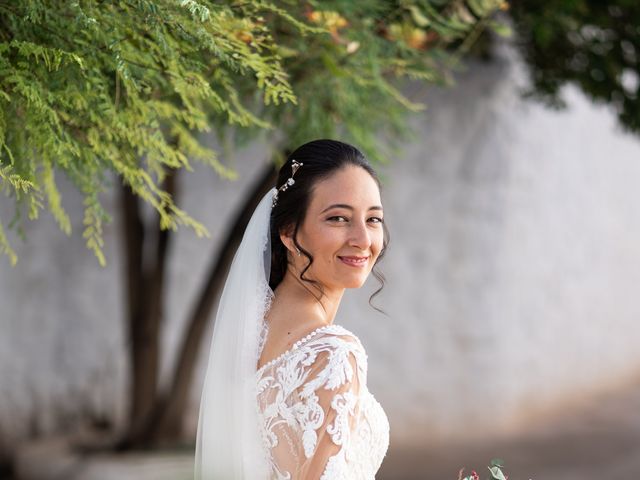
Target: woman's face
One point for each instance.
(342, 229)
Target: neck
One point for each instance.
(302, 300)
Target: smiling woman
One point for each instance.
(334, 212)
(327, 234)
(286, 393)
(337, 234)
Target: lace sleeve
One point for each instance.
(318, 419)
(330, 407)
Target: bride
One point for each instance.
(285, 394)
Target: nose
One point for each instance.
(360, 237)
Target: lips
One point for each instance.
(354, 261)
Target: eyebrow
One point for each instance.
(348, 207)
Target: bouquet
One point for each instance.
(495, 472)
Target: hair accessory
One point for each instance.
(295, 165)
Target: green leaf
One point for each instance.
(496, 473)
(6, 249)
(418, 16)
(501, 29)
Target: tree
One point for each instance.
(91, 87)
(125, 87)
(592, 45)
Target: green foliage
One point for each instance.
(495, 472)
(349, 79)
(593, 45)
(93, 88)
(495, 469)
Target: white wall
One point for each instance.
(514, 267)
(511, 276)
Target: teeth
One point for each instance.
(354, 260)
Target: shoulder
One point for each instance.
(338, 342)
(338, 332)
(335, 356)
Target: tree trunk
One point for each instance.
(145, 296)
(166, 419)
(142, 373)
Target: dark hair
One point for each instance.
(321, 158)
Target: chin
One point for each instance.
(354, 283)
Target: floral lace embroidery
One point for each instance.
(344, 405)
(315, 391)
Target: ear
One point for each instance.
(286, 237)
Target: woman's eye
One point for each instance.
(341, 219)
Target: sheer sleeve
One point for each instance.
(326, 412)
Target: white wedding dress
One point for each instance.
(317, 417)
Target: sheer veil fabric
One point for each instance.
(228, 442)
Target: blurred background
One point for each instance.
(512, 276)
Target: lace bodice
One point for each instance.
(318, 419)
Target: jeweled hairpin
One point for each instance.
(290, 181)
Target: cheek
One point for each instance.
(322, 242)
(329, 243)
(377, 243)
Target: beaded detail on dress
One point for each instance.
(318, 419)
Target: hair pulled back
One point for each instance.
(321, 159)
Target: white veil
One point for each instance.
(229, 442)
